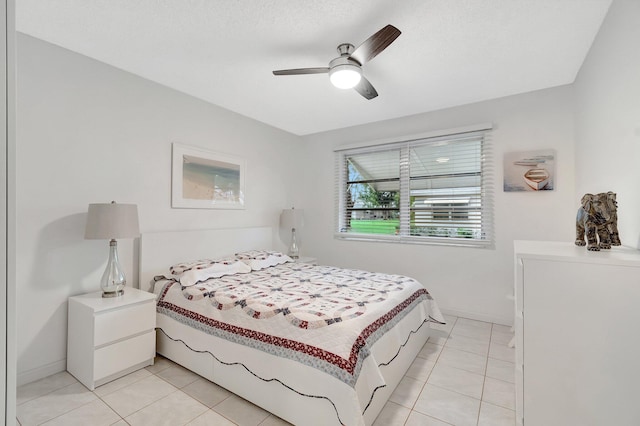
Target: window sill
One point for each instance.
(433, 241)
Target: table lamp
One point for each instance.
(108, 222)
(291, 219)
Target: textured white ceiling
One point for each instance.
(451, 52)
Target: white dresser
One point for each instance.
(110, 337)
(577, 335)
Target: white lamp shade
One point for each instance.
(345, 76)
(112, 221)
(292, 218)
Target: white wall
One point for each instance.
(88, 132)
(608, 116)
(466, 281)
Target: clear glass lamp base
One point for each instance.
(113, 279)
(294, 251)
(116, 293)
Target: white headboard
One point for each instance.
(160, 250)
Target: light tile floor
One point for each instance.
(464, 375)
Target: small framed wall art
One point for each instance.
(530, 170)
(202, 179)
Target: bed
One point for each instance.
(311, 344)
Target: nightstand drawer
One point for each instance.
(124, 322)
(119, 356)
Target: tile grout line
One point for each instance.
(116, 390)
(427, 379)
(484, 381)
(141, 408)
(487, 357)
(48, 393)
(208, 408)
(66, 412)
(56, 390)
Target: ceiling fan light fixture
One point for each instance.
(345, 76)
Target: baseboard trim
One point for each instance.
(41, 372)
(479, 316)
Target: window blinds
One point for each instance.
(432, 190)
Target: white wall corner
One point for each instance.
(41, 372)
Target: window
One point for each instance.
(433, 190)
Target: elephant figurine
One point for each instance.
(597, 219)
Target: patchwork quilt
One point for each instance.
(324, 317)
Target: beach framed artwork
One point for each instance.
(531, 171)
(202, 179)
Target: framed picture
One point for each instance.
(202, 179)
(530, 171)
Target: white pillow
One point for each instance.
(217, 270)
(180, 268)
(260, 259)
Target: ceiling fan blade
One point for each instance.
(375, 44)
(299, 71)
(366, 89)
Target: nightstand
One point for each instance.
(306, 259)
(110, 337)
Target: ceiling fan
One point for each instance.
(345, 71)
